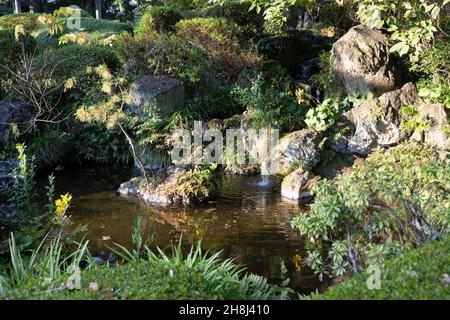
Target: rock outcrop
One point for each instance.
(166, 187)
(361, 60)
(13, 112)
(294, 150)
(381, 122)
(295, 186)
(163, 93)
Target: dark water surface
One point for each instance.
(249, 221)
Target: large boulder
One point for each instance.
(361, 60)
(381, 122)
(6, 168)
(295, 186)
(294, 150)
(13, 112)
(163, 93)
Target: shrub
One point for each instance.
(250, 23)
(326, 79)
(394, 200)
(11, 53)
(158, 19)
(163, 55)
(28, 20)
(5, 11)
(337, 16)
(416, 274)
(72, 61)
(186, 4)
(433, 68)
(218, 39)
(95, 29)
(271, 103)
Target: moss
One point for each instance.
(417, 274)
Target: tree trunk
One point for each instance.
(98, 9)
(17, 6)
(35, 6)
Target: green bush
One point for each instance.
(336, 15)
(28, 20)
(163, 54)
(186, 4)
(97, 30)
(158, 19)
(416, 274)
(250, 23)
(394, 200)
(433, 70)
(270, 102)
(5, 11)
(218, 38)
(72, 61)
(11, 53)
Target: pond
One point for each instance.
(249, 221)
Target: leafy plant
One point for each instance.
(326, 114)
(392, 201)
(271, 103)
(411, 25)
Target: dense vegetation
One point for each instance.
(241, 64)
(410, 276)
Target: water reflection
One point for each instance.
(249, 221)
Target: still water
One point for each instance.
(249, 221)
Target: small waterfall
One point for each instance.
(304, 74)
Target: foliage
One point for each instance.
(183, 5)
(45, 271)
(326, 114)
(238, 12)
(336, 15)
(410, 276)
(28, 20)
(163, 55)
(146, 275)
(327, 80)
(71, 62)
(411, 24)
(92, 30)
(271, 103)
(190, 186)
(392, 201)
(434, 71)
(11, 54)
(158, 19)
(25, 217)
(5, 11)
(219, 40)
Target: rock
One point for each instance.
(162, 188)
(296, 149)
(381, 123)
(295, 185)
(438, 131)
(164, 93)
(6, 167)
(13, 112)
(245, 170)
(361, 60)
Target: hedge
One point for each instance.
(417, 274)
